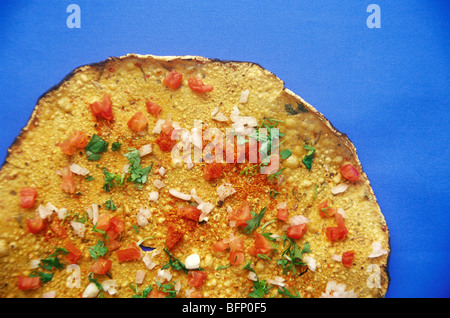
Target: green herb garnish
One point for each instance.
(174, 263)
(112, 179)
(255, 221)
(95, 147)
(98, 250)
(284, 291)
(294, 255)
(309, 157)
(115, 146)
(138, 175)
(110, 205)
(285, 153)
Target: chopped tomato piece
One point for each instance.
(77, 140)
(167, 127)
(350, 173)
(26, 283)
(173, 80)
(262, 245)
(197, 85)
(153, 108)
(138, 122)
(283, 214)
(36, 225)
(347, 258)
(27, 197)
(297, 231)
(103, 109)
(236, 258)
(58, 229)
(130, 253)
(241, 214)
(165, 142)
(74, 253)
(116, 225)
(113, 244)
(212, 171)
(325, 210)
(237, 244)
(190, 213)
(195, 278)
(220, 246)
(68, 182)
(338, 232)
(195, 294)
(103, 221)
(173, 236)
(101, 266)
(155, 293)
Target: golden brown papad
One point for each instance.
(234, 260)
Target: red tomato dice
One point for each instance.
(27, 197)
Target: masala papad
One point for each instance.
(183, 176)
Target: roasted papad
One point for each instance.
(94, 201)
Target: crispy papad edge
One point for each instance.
(348, 143)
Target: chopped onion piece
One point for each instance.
(145, 150)
(339, 188)
(163, 275)
(153, 196)
(298, 219)
(335, 290)
(277, 280)
(225, 190)
(180, 195)
(311, 262)
(109, 286)
(91, 291)
(159, 184)
(142, 216)
(78, 228)
(192, 261)
(158, 126)
(78, 169)
(377, 250)
(244, 96)
(50, 294)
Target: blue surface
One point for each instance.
(387, 88)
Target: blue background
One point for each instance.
(387, 88)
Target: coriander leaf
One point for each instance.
(260, 288)
(308, 158)
(284, 291)
(137, 173)
(254, 222)
(93, 156)
(89, 178)
(112, 179)
(276, 175)
(98, 250)
(174, 263)
(110, 205)
(115, 146)
(44, 277)
(294, 255)
(95, 147)
(167, 288)
(286, 153)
